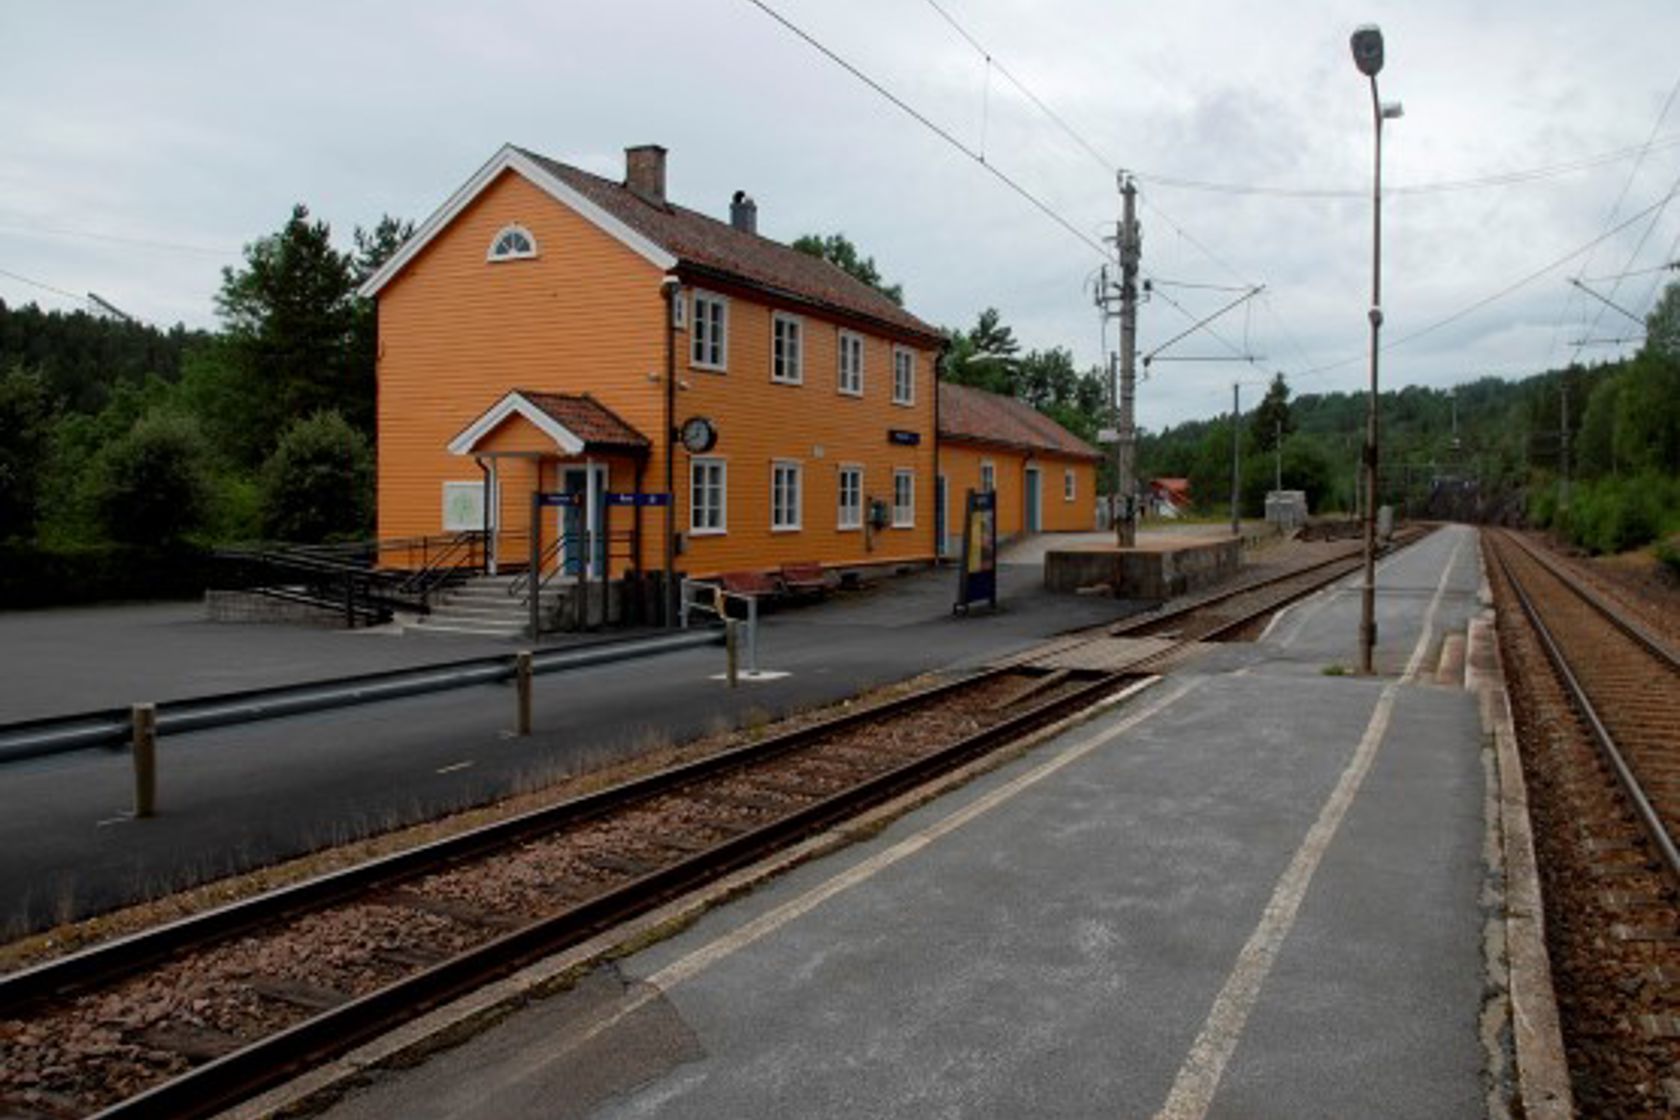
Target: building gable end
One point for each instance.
(515, 404)
(512, 159)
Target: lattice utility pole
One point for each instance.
(1125, 447)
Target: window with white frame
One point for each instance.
(851, 498)
(851, 363)
(904, 499)
(904, 376)
(988, 477)
(787, 345)
(512, 243)
(709, 335)
(679, 309)
(784, 495)
(708, 501)
(1070, 485)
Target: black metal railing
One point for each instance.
(368, 581)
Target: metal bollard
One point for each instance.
(732, 647)
(522, 686)
(143, 718)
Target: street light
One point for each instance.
(1367, 44)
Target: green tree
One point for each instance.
(1595, 447)
(1662, 325)
(1272, 417)
(27, 411)
(290, 315)
(318, 483)
(153, 485)
(984, 356)
(837, 249)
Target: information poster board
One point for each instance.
(977, 575)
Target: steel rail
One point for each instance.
(1625, 776)
(217, 1084)
(1660, 648)
(1180, 610)
(112, 960)
(110, 727)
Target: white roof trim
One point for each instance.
(515, 403)
(510, 158)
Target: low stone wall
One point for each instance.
(245, 606)
(1155, 573)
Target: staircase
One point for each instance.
(482, 606)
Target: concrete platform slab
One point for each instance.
(1255, 890)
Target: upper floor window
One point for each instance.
(512, 243)
(904, 376)
(787, 357)
(851, 363)
(1070, 487)
(988, 477)
(679, 309)
(709, 334)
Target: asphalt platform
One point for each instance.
(241, 797)
(1253, 889)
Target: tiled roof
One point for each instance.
(588, 419)
(707, 243)
(969, 413)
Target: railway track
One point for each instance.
(1597, 701)
(188, 1018)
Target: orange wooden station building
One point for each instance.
(697, 397)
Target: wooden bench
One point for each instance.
(760, 586)
(807, 579)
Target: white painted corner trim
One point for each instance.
(510, 158)
(515, 404)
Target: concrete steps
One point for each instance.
(482, 606)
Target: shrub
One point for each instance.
(318, 483)
(152, 485)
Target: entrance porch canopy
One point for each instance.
(578, 425)
(547, 428)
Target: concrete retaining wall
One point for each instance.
(1153, 574)
(243, 606)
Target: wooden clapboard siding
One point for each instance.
(960, 461)
(587, 315)
(814, 424)
(457, 332)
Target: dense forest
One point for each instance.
(125, 450)
(118, 439)
(1592, 452)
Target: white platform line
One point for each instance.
(1414, 667)
(1198, 1078)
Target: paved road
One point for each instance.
(1252, 891)
(241, 797)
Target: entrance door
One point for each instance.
(575, 480)
(941, 508)
(1034, 500)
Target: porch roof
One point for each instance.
(576, 424)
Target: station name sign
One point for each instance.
(609, 497)
(903, 438)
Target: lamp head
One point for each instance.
(1367, 43)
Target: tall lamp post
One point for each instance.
(1367, 43)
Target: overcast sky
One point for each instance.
(141, 145)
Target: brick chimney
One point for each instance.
(644, 172)
(743, 212)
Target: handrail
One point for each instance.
(519, 585)
(110, 727)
